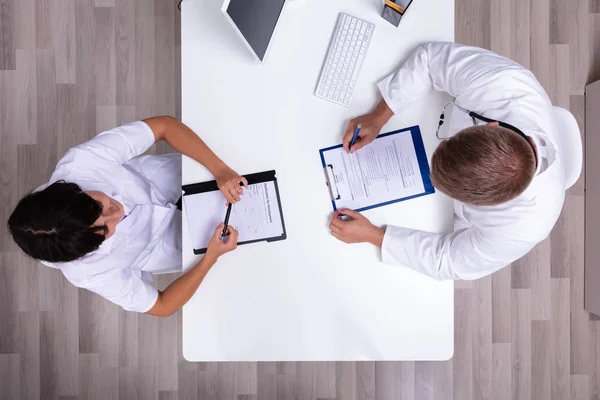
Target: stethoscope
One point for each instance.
(474, 116)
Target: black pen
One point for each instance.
(226, 220)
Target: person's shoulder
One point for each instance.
(529, 217)
(86, 159)
(134, 127)
(136, 133)
(86, 271)
(536, 210)
(547, 188)
(73, 271)
(81, 168)
(117, 146)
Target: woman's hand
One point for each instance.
(220, 245)
(357, 229)
(229, 183)
(183, 288)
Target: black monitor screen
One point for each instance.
(256, 19)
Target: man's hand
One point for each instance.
(357, 229)
(229, 183)
(370, 127)
(219, 245)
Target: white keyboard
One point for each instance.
(346, 53)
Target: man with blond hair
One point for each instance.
(502, 167)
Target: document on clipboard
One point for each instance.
(258, 216)
(392, 168)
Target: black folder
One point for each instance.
(260, 177)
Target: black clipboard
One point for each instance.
(260, 177)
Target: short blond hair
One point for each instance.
(483, 165)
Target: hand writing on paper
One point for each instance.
(356, 229)
(229, 183)
(370, 127)
(220, 245)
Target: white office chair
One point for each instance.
(168, 271)
(568, 139)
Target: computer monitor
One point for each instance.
(255, 21)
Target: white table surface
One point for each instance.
(309, 297)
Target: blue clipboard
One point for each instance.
(421, 158)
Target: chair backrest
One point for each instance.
(168, 271)
(568, 138)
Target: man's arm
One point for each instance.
(464, 72)
(467, 73)
(464, 254)
(181, 290)
(185, 141)
(398, 90)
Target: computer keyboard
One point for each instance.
(346, 54)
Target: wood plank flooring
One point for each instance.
(72, 68)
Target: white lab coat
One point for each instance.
(148, 239)
(484, 239)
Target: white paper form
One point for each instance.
(384, 171)
(256, 216)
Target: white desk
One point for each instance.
(309, 297)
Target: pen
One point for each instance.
(226, 220)
(356, 132)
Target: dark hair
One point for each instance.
(483, 165)
(55, 224)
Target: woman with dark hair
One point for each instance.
(109, 218)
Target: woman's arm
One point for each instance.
(181, 290)
(185, 141)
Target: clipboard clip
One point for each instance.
(331, 182)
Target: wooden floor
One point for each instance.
(71, 68)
